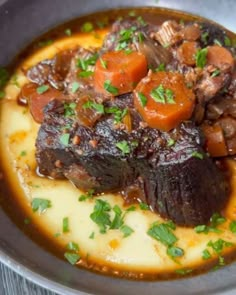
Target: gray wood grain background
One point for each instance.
(12, 283)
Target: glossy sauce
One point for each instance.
(108, 253)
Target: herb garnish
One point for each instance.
(40, 205)
(232, 226)
(103, 63)
(68, 32)
(201, 57)
(142, 98)
(162, 95)
(118, 219)
(92, 235)
(206, 254)
(45, 43)
(23, 153)
(197, 155)
(160, 68)
(85, 63)
(65, 225)
(217, 42)
(183, 271)
(87, 196)
(215, 73)
(73, 258)
(93, 105)
(85, 74)
(174, 252)
(100, 215)
(64, 139)
(110, 88)
(215, 220)
(119, 114)
(219, 245)
(162, 233)
(74, 87)
(204, 37)
(123, 146)
(227, 41)
(126, 230)
(41, 89)
(170, 142)
(143, 206)
(72, 246)
(87, 27)
(69, 109)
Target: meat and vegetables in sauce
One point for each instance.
(150, 115)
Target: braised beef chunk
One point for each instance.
(100, 140)
(176, 174)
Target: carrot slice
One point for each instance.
(218, 56)
(37, 101)
(163, 100)
(117, 72)
(215, 142)
(186, 53)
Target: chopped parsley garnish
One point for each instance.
(40, 205)
(65, 225)
(227, 41)
(85, 74)
(45, 43)
(84, 63)
(69, 109)
(87, 27)
(4, 75)
(57, 235)
(126, 230)
(217, 42)
(183, 271)
(72, 246)
(206, 254)
(42, 89)
(197, 155)
(2, 94)
(118, 219)
(131, 209)
(23, 153)
(215, 73)
(74, 87)
(64, 139)
(204, 37)
(142, 98)
(219, 245)
(110, 88)
(143, 206)
(100, 215)
(87, 196)
(14, 81)
(232, 226)
(132, 13)
(123, 146)
(119, 114)
(174, 252)
(92, 235)
(201, 57)
(160, 68)
(103, 63)
(215, 220)
(170, 142)
(73, 258)
(93, 105)
(141, 20)
(162, 95)
(68, 32)
(27, 221)
(162, 233)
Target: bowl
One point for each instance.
(21, 21)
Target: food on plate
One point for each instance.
(140, 117)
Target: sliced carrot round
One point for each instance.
(163, 100)
(218, 56)
(215, 141)
(186, 53)
(118, 72)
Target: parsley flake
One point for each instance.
(174, 252)
(42, 89)
(103, 63)
(197, 155)
(201, 57)
(72, 246)
(232, 226)
(206, 254)
(73, 258)
(143, 206)
(74, 87)
(170, 142)
(227, 41)
(64, 139)
(162, 233)
(142, 98)
(87, 27)
(215, 73)
(183, 271)
(123, 146)
(100, 215)
(110, 88)
(40, 205)
(126, 230)
(96, 106)
(65, 225)
(68, 32)
(162, 95)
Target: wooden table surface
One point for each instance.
(12, 283)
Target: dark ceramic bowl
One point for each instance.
(20, 22)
